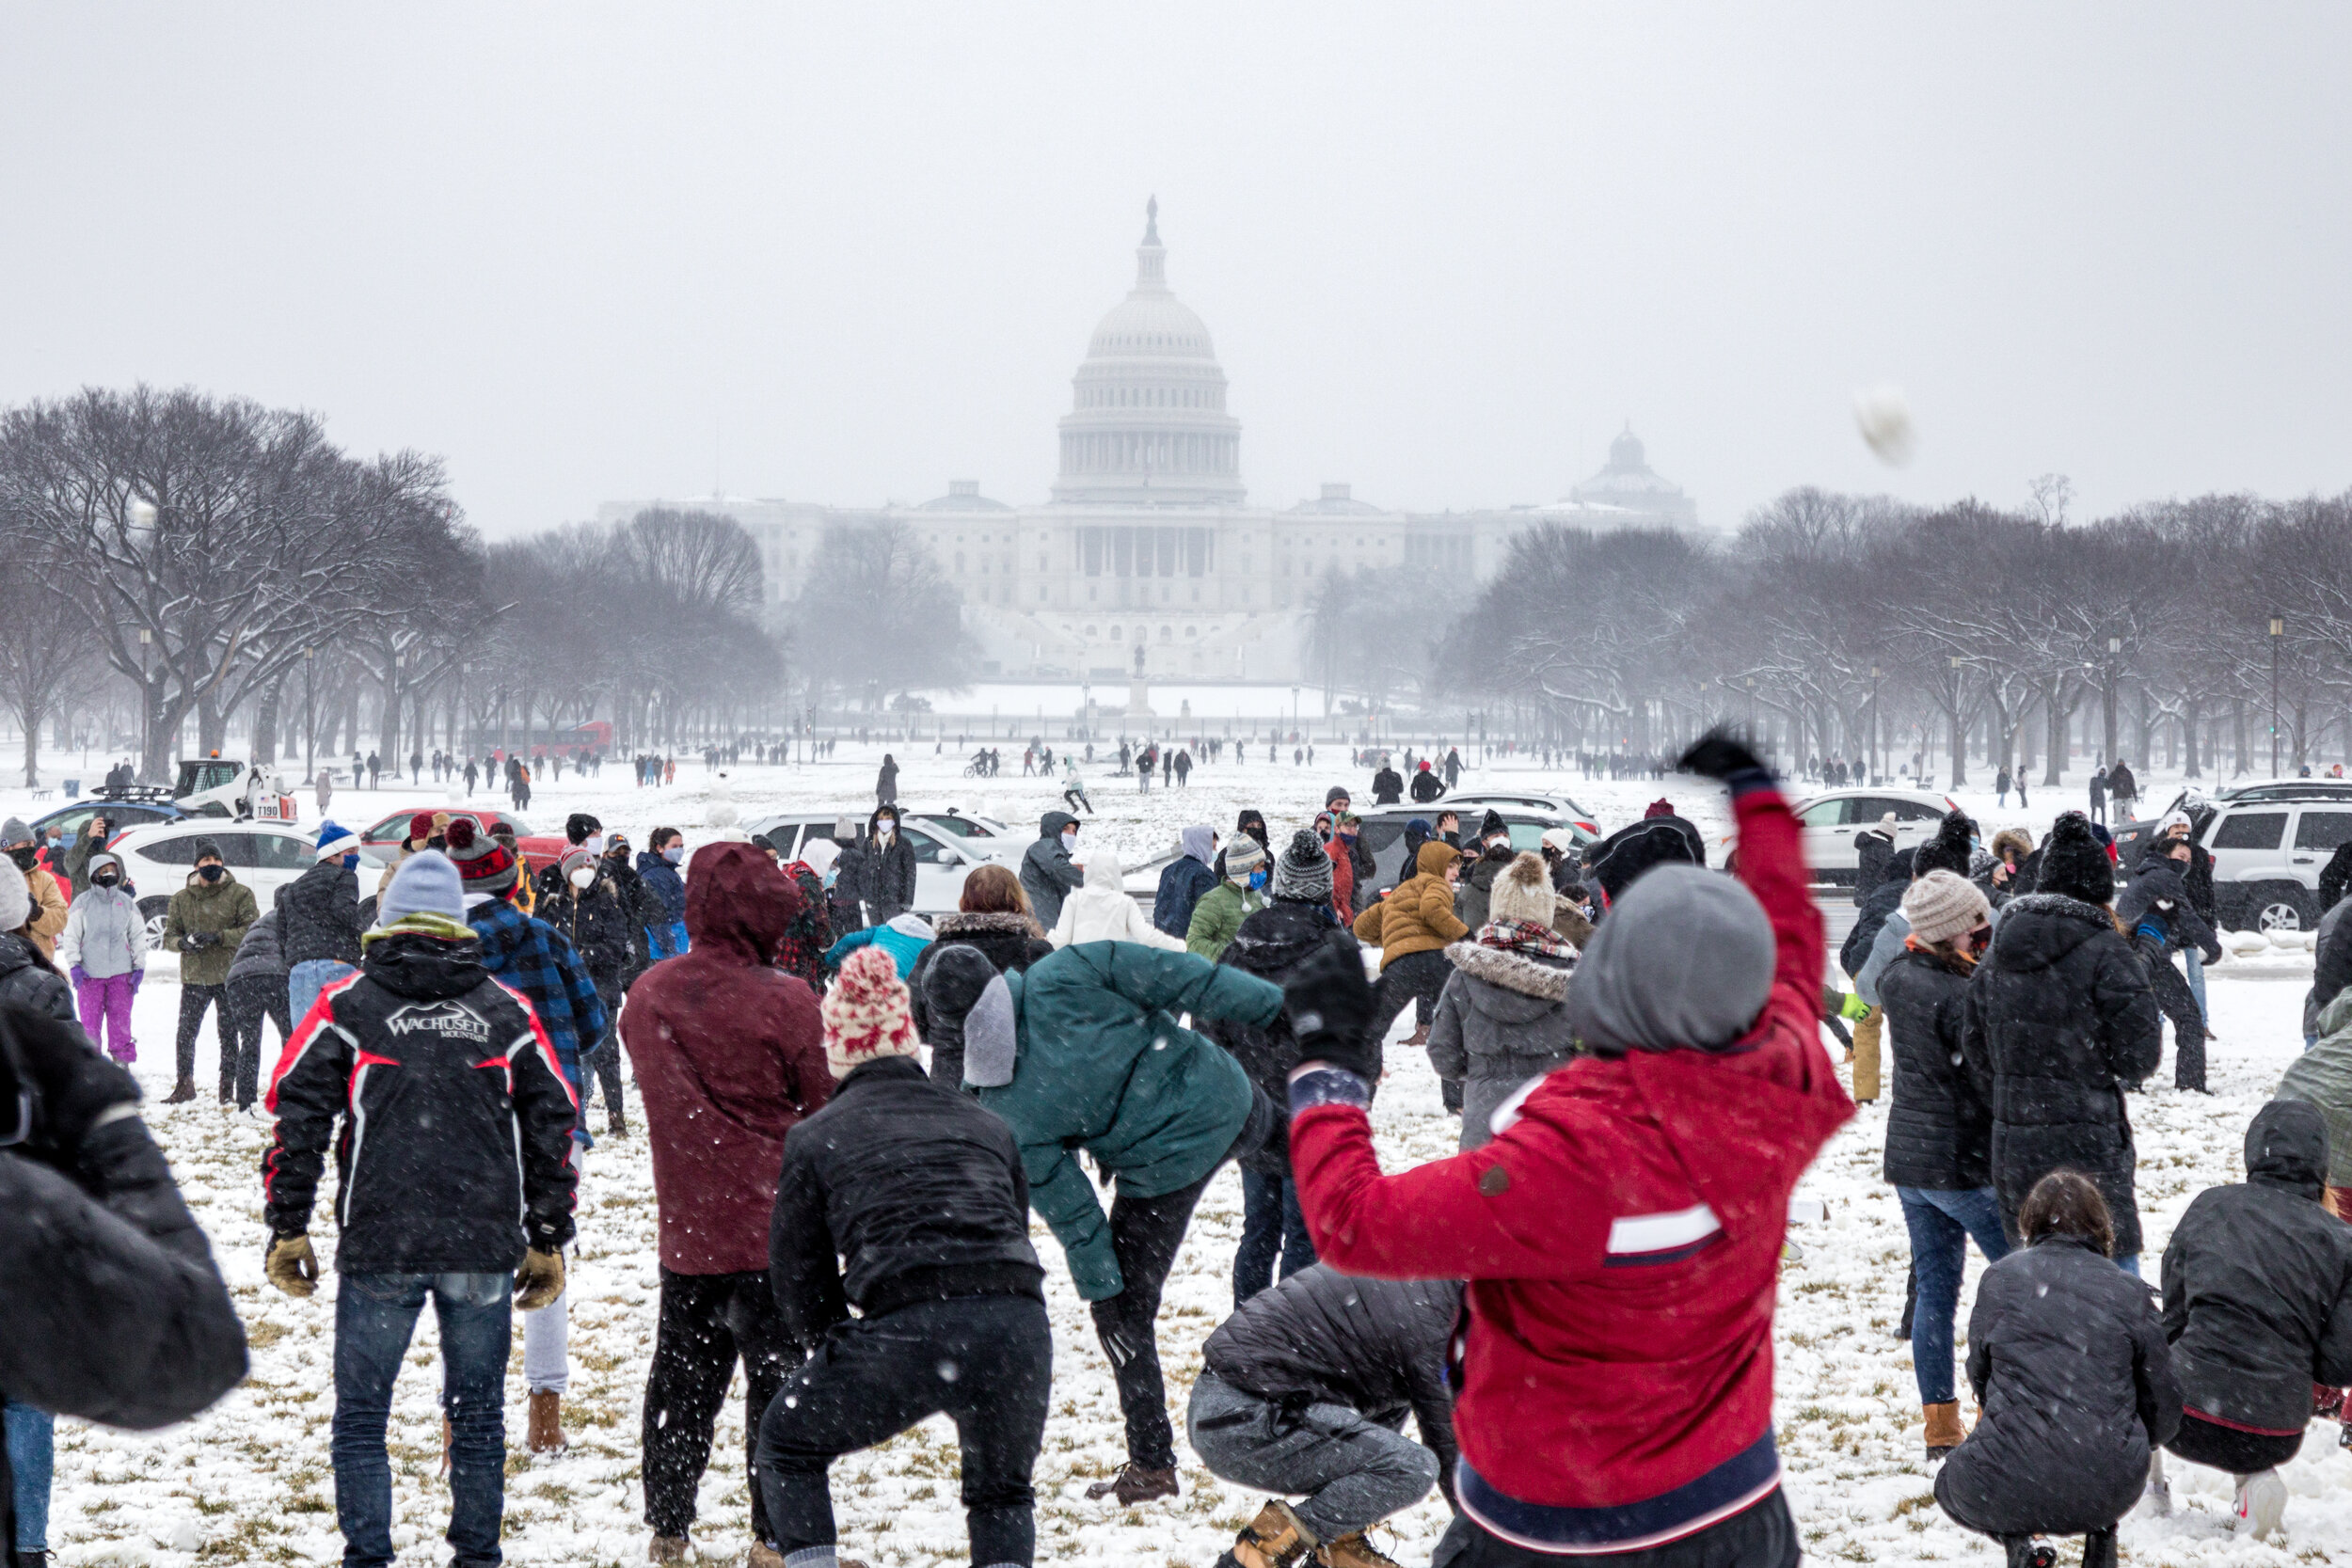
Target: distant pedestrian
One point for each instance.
(886, 781)
(2099, 795)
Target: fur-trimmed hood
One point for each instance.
(998, 922)
(1510, 988)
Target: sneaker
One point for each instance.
(1133, 1483)
(2261, 1504)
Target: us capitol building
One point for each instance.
(1148, 547)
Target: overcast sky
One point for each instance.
(590, 252)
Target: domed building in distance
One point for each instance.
(1148, 553)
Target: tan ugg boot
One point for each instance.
(546, 1434)
(671, 1549)
(1353, 1551)
(1944, 1433)
(1277, 1538)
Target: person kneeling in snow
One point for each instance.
(1622, 1234)
(1305, 1389)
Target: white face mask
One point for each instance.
(884, 829)
(1069, 838)
(593, 844)
(583, 877)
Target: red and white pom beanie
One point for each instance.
(865, 1013)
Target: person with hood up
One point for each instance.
(888, 886)
(1183, 879)
(729, 1057)
(1661, 838)
(886, 782)
(1503, 1019)
(49, 904)
(27, 979)
(460, 1192)
(319, 919)
(1305, 1390)
(905, 1199)
(658, 866)
(1622, 1236)
(1238, 894)
(2156, 917)
(584, 901)
(994, 923)
(1047, 875)
(1949, 851)
(845, 889)
(1101, 909)
(105, 953)
(206, 921)
(2322, 1075)
(1248, 823)
(1872, 845)
(1270, 945)
(2012, 868)
(1388, 787)
(1412, 926)
(1939, 1130)
(1493, 851)
(1084, 1053)
(2058, 1020)
(904, 938)
(2258, 1308)
(1427, 787)
(2075, 1379)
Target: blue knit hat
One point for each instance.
(427, 883)
(335, 842)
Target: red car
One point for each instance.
(539, 850)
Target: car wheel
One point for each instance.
(153, 912)
(2280, 907)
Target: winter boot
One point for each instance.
(546, 1434)
(1352, 1551)
(2025, 1552)
(614, 1125)
(673, 1548)
(2099, 1548)
(2262, 1503)
(1277, 1538)
(1944, 1433)
(1136, 1483)
(182, 1092)
(765, 1556)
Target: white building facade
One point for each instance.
(1148, 543)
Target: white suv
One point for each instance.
(1831, 819)
(2269, 843)
(261, 855)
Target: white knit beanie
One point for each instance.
(1522, 891)
(1943, 904)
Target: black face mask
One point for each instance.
(26, 858)
(107, 878)
(210, 873)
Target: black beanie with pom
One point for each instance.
(2074, 864)
(1949, 851)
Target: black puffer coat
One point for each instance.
(2059, 1018)
(1939, 1130)
(1876, 905)
(1270, 943)
(601, 926)
(2258, 1282)
(889, 885)
(29, 981)
(319, 916)
(2331, 969)
(2335, 877)
(2159, 887)
(2069, 1361)
(1870, 848)
(1008, 941)
(1388, 787)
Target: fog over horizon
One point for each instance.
(590, 253)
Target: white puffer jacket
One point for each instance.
(104, 934)
(1102, 910)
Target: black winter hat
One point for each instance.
(1491, 824)
(205, 850)
(1653, 843)
(2075, 864)
(1302, 873)
(1949, 851)
(578, 826)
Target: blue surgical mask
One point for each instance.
(351, 863)
(1257, 879)
(674, 854)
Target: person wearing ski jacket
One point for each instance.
(1305, 1390)
(2059, 1019)
(2258, 1299)
(729, 1057)
(1503, 1019)
(1622, 1239)
(1183, 879)
(1412, 926)
(2071, 1370)
(103, 951)
(1047, 875)
(1238, 894)
(1387, 785)
(1102, 910)
(888, 886)
(658, 867)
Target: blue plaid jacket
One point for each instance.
(535, 958)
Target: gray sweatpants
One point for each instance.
(1354, 1472)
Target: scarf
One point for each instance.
(1524, 936)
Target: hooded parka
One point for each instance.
(1047, 874)
(1501, 1021)
(1101, 911)
(1939, 1129)
(1418, 914)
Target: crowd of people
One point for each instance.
(853, 1110)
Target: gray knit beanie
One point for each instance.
(1942, 905)
(1303, 872)
(1522, 891)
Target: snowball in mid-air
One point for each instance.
(1884, 418)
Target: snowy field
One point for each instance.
(250, 1482)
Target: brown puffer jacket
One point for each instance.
(1417, 916)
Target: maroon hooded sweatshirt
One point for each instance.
(729, 1055)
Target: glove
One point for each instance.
(200, 939)
(136, 976)
(1720, 755)
(1854, 1009)
(72, 1085)
(292, 1266)
(79, 975)
(539, 1281)
(1329, 1003)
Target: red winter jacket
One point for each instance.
(729, 1055)
(1622, 1241)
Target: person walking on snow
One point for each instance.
(886, 782)
(2122, 791)
(1047, 875)
(2099, 794)
(105, 953)
(729, 1057)
(1596, 1417)
(207, 919)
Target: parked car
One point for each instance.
(125, 813)
(264, 856)
(1383, 830)
(1476, 803)
(977, 830)
(2269, 841)
(1831, 818)
(943, 858)
(380, 841)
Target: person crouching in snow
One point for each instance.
(1101, 911)
(104, 951)
(1305, 1389)
(2258, 1307)
(2071, 1368)
(920, 1193)
(464, 1174)
(1622, 1238)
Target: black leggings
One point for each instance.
(1145, 1234)
(1416, 977)
(708, 1322)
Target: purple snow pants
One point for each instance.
(109, 1002)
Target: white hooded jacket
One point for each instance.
(1102, 911)
(105, 933)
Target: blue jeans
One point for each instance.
(667, 941)
(305, 980)
(32, 1457)
(1940, 1224)
(374, 1316)
(2196, 983)
(1272, 1224)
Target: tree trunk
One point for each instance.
(387, 719)
(265, 726)
(1960, 747)
(29, 716)
(2191, 712)
(211, 725)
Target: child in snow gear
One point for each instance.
(920, 1194)
(2258, 1308)
(1305, 1389)
(1223, 907)
(1594, 1420)
(463, 1176)
(208, 918)
(1501, 1021)
(2072, 1371)
(1412, 926)
(729, 1055)
(105, 951)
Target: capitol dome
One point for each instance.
(1148, 424)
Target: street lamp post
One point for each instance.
(1874, 772)
(2278, 629)
(1959, 740)
(147, 699)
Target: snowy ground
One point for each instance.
(251, 1481)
